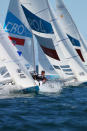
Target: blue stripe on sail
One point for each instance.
(69, 73)
(67, 70)
(65, 66)
(15, 26)
(56, 67)
(36, 23)
(74, 41)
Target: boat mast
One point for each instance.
(34, 60)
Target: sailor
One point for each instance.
(41, 77)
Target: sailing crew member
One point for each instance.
(41, 77)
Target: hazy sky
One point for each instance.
(77, 8)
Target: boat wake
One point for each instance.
(8, 91)
(51, 87)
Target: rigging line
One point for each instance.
(72, 57)
(41, 11)
(38, 11)
(61, 41)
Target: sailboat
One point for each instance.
(44, 25)
(38, 17)
(28, 50)
(12, 68)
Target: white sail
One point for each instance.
(19, 32)
(37, 14)
(14, 63)
(4, 74)
(84, 48)
(66, 21)
(66, 48)
(44, 64)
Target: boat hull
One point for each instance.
(15, 89)
(34, 89)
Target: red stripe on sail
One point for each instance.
(17, 41)
(50, 52)
(80, 54)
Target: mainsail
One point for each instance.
(66, 21)
(19, 32)
(13, 63)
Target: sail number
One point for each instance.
(14, 28)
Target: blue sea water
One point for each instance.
(65, 110)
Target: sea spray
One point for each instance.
(51, 87)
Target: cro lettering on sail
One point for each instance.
(15, 26)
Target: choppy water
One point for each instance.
(65, 110)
